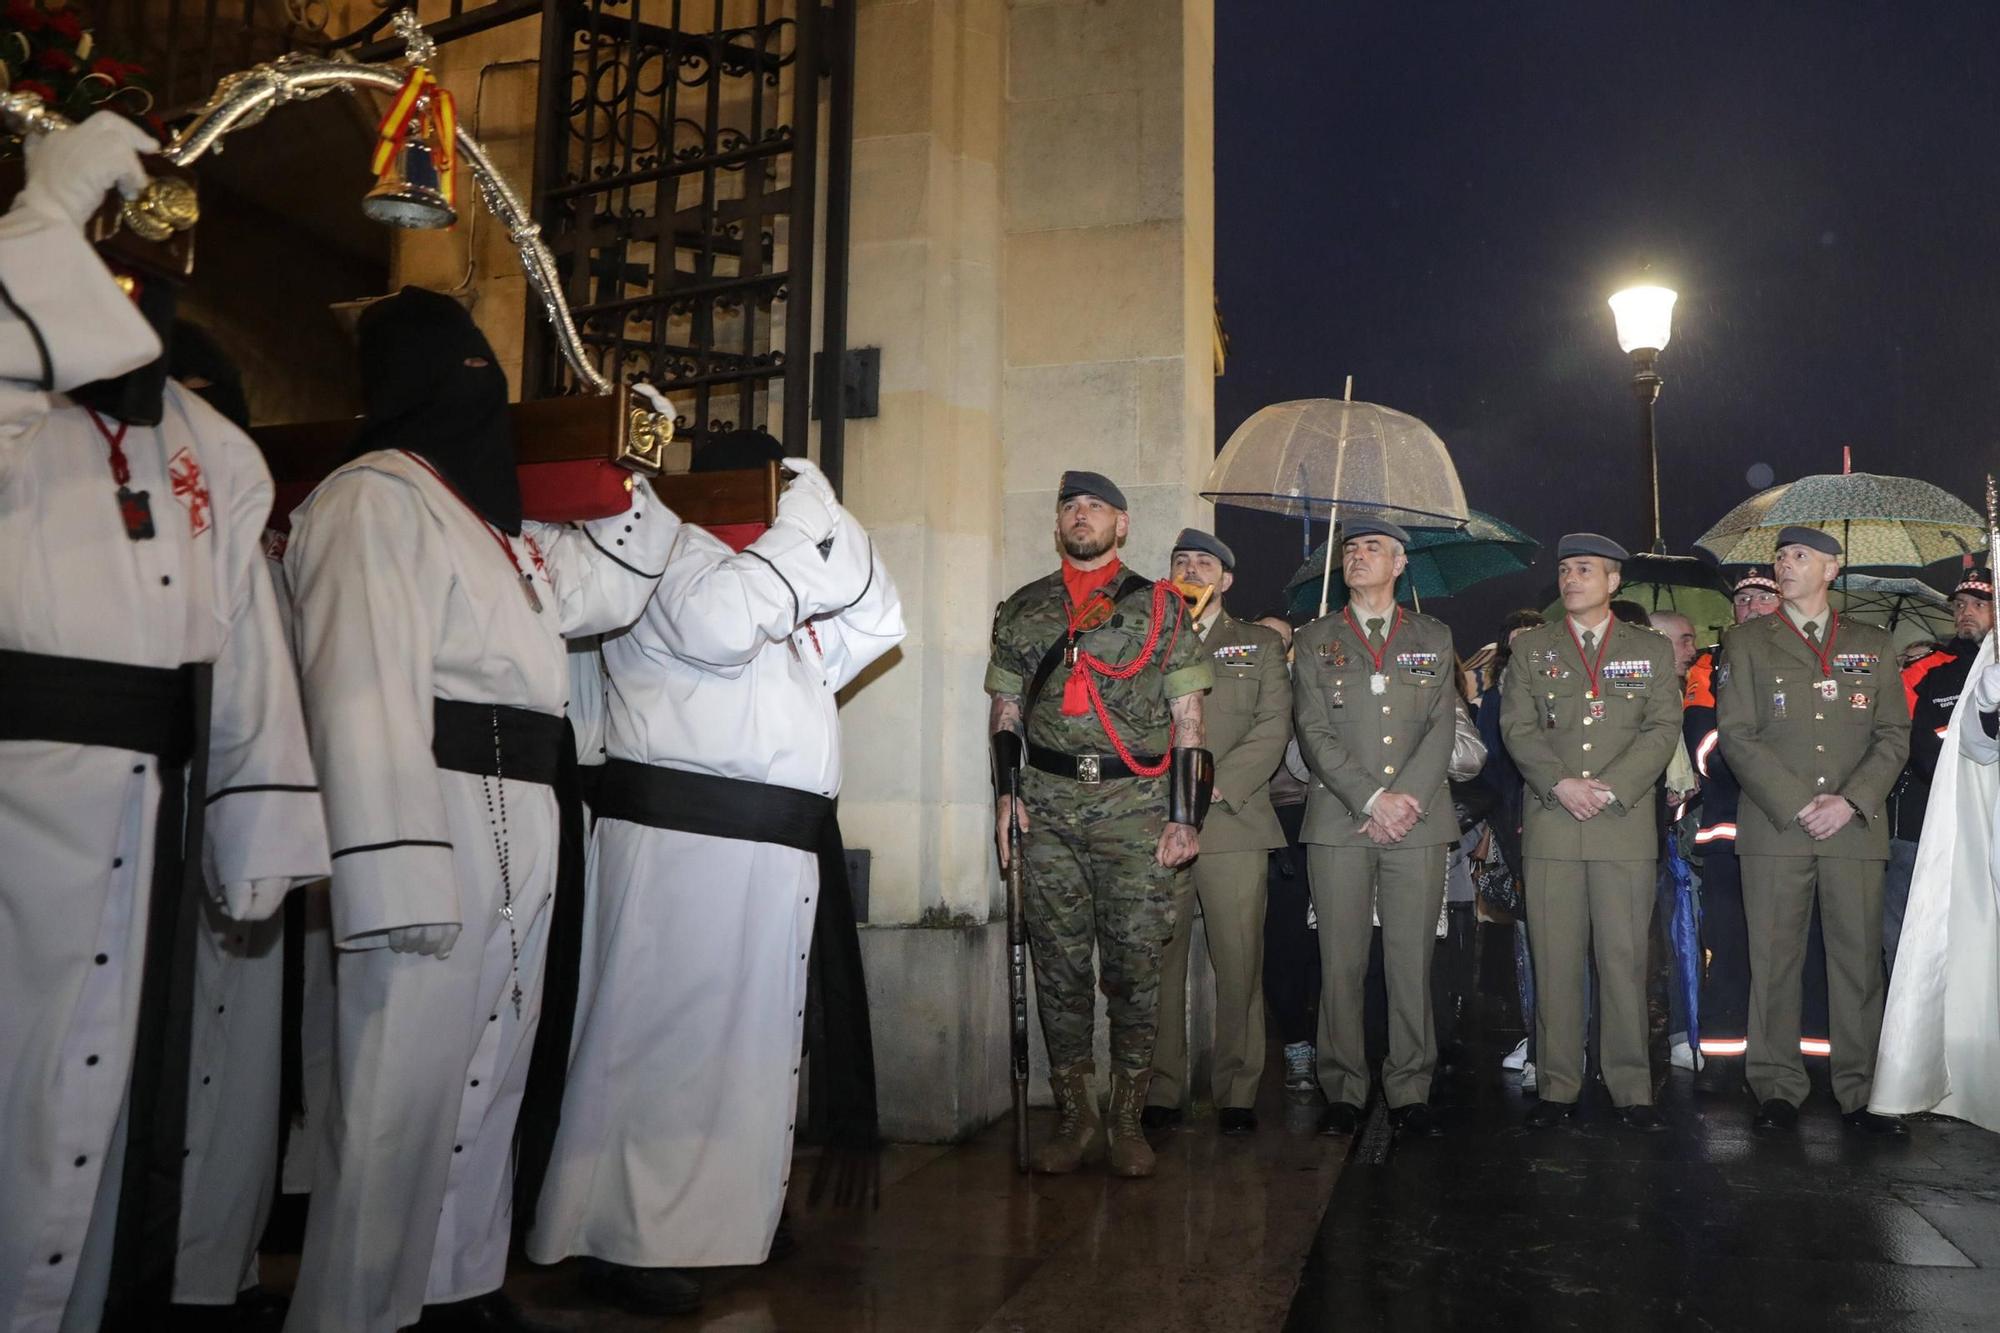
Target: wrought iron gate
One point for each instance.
(676, 181)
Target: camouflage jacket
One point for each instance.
(1037, 616)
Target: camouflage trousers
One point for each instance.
(1090, 881)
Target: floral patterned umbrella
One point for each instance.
(1881, 521)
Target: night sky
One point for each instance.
(1437, 198)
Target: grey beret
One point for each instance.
(1090, 483)
(1194, 539)
(1591, 543)
(1823, 542)
(1371, 527)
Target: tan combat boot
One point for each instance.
(1079, 1136)
(1131, 1155)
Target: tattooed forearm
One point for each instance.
(1006, 714)
(1189, 729)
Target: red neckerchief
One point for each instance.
(1083, 589)
(1832, 632)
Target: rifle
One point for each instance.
(1017, 965)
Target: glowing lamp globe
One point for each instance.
(1645, 317)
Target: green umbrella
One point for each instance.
(1882, 522)
(1443, 563)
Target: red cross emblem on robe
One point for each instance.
(184, 472)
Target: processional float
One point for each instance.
(578, 454)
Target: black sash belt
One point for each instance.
(495, 740)
(163, 712)
(1083, 767)
(85, 702)
(673, 798)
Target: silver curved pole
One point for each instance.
(243, 99)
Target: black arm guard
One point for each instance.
(1190, 784)
(1008, 751)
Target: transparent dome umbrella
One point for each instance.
(1882, 522)
(1443, 563)
(1317, 456)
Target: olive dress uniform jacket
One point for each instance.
(1789, 737)
(1552, 733)
(1358, 742)
(1248, 717)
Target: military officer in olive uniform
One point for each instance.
(1591, 713)
(1097, 678)
(1374, 705)
(1816, 727)
(1248, 717)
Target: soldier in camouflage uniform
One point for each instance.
(1097, 679)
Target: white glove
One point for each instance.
(809, 502)
(254, 899)
(1986, 690)
(432, 941)
(654, 399)
(70, 171)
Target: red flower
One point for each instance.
(67, 24)
(37, 87)
(113, 70)
(25, 16)
(55, 60)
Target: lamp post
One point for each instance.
(1645, 317)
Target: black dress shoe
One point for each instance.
(491, 1313)
(1236, 1120)
(1416, 1121)
(1545, 1114)
(1156, 1118)
(1868, 1122)
(1776, 1116)
(1341, 1119)
(653, 1291)
(1643, 1119)
(783, 1243)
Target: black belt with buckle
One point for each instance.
(1084, 767)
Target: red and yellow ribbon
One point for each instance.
(421, 105)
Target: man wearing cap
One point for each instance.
(1097, 677)
(1374, 709)
(1725, 942)
(1815, 725)
(1931, 686)
(1248, 716)
(1591, 712)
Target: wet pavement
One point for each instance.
(1490, 1227)
(1707, 1226)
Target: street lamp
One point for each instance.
(1645, 317)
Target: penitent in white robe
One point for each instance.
(676, 1137)
(404, 596)
(77, 822)
(232, 1174)
(1940, 1048)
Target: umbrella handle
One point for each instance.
(1326, 574)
